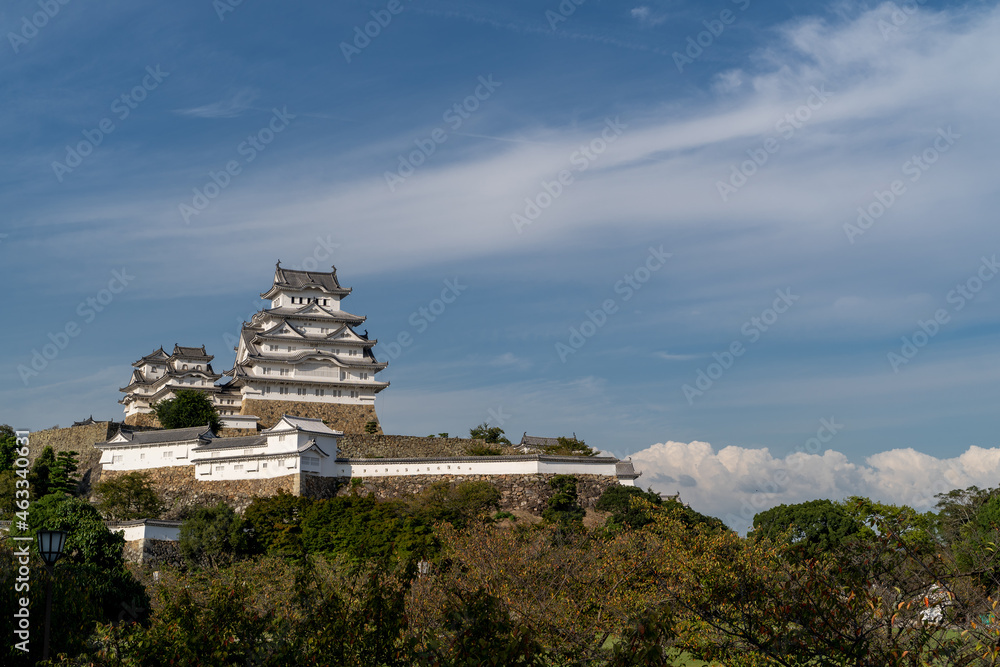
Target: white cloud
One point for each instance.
(666, 356)
(645, 14)
(230, 107)
(735, 483)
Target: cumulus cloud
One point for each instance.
(735, 483)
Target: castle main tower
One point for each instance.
(303, 356)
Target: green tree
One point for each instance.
(275, 523)
(188, 409)
(8, 494)
(975, 546)
(625, 512)
(490, 434)
(8, 447)
(371, 426)
(457, 504)
(95, 584)
(128, 496)
(812, 528)
(564, 507)
(915, 529)
(957, 508)
(359, 528)
(53, 474)
(42, 472)
(64, 477)
(570, 447)
(213, 536)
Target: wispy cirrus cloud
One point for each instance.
(231, 107)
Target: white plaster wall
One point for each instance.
(376, 468)
(149, 532)
(145, 457)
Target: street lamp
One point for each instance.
(50, 546)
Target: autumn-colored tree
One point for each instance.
(128, 496)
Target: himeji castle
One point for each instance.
(302, 356)
(298, 414)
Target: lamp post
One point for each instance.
(50, 546)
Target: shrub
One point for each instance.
(188, 409)
(130, 496)
(213, 536)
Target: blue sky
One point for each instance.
(590, 141)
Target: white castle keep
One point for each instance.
(301, 356)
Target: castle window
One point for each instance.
(142, 457)
(311, 461)
(301, 391)
(283, 371)
(320, 392)
(117, 458)
(338, 393)
(343, 375)
(266, 370)
(326, 302)
(282, 390)
(354, 394)
(264, 464)
(168, 455)
(267, 390)
(184, 367)
(237, 467)
(289, 348)
(363, 376)
(219, 468)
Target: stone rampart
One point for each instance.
(153, 552)
(528, 493)
(148, 420)
(340, 417)
(236, 432)
(80, 439)
(181, 493)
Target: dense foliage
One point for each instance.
(91, 582)
(353, 580)
(188, 409)
(128, 496)
(490, 434)
(569, 447)
(53, 473)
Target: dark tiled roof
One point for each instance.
(86, 422)
(155, 355)
(625, 470)
(191, 352)
(535, 441)
(291, 279)
(319, 313)
(166, 435)
(232, 443)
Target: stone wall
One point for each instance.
(340, 417)
(368, 446)
(180, 492)
(529, 493)
(143, 419)
(236, 432)
(153, 552)
(80, 439)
